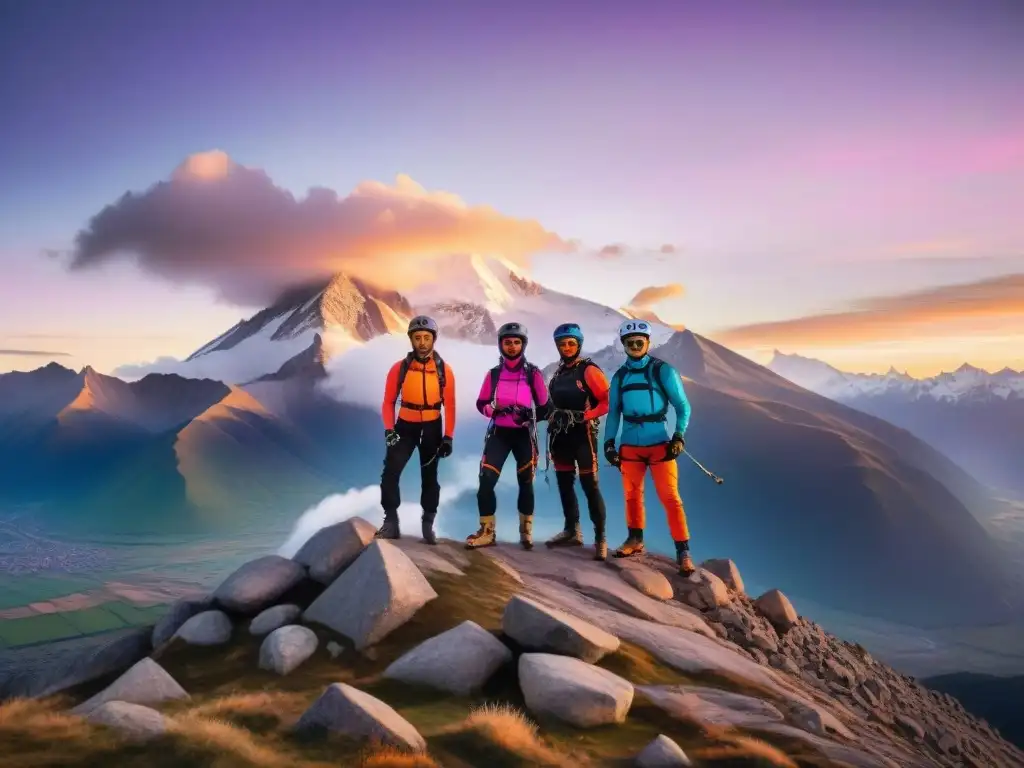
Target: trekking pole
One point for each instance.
(704, 469)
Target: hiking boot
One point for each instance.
(484, 537)
(601, 550)
(389, 530)
(631, 546)
(686, 567)
(428, 529)
(526, 531)
(566, 538)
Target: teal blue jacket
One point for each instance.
(645, 402)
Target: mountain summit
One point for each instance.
(470, 298)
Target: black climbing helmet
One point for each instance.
(422, 323)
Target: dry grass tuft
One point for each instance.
(217, 736)
(505, 728)
(394, 758)
(735, 747)
(25, 714)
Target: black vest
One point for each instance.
(568, 389)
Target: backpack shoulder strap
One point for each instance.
(442, 378)
(531, 372)
(403, 371)
(584, 364)
(495, 373)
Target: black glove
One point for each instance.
(675, 447)
(391, 438)
(611, 454)
(445, 449)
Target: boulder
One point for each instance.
(145, 683)
(775, 607)
(374, 596)
(648, 581)
(258, 584)
(274, 618)
(763, 641)
(206, 628)
(727, 571)
(662, 753)
(460, 660)
(132, 721)
(350, 712)
(703, 590)
(572, 690)
(538, 628)
(331, 550)
(177, 614)
(286, 648)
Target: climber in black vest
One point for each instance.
(578, 393)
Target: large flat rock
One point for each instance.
(713, 706)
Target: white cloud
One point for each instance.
(365, 503)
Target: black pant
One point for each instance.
(572, 448)
(427, 435)
(501, 441)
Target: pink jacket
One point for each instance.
(513, 389)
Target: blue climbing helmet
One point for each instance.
(422, 323)
(634, 327)
(569, 331)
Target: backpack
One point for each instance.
(441, 381)
(652, 373)
(528, 368)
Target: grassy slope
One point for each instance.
(239, 715)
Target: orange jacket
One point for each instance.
(421, 387)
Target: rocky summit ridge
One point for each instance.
(360, 651)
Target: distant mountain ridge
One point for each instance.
(973, 416)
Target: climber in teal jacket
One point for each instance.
(641, 393)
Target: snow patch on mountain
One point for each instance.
(965, 383)
(473, 297)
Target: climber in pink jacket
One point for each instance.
(513, 396)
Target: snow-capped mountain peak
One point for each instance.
(470, 298)
(966, 382)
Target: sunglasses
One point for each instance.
(635, 343)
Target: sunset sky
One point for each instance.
(841, 180)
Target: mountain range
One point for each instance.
(973, 416)
(820, 498)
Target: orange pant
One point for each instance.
(635, 461)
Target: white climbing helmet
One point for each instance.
(634, 327)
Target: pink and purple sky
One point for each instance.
(841, 180)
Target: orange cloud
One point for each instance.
(653, 294)
(987, 306)
(218, 223)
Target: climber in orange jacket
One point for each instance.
(426, 385)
